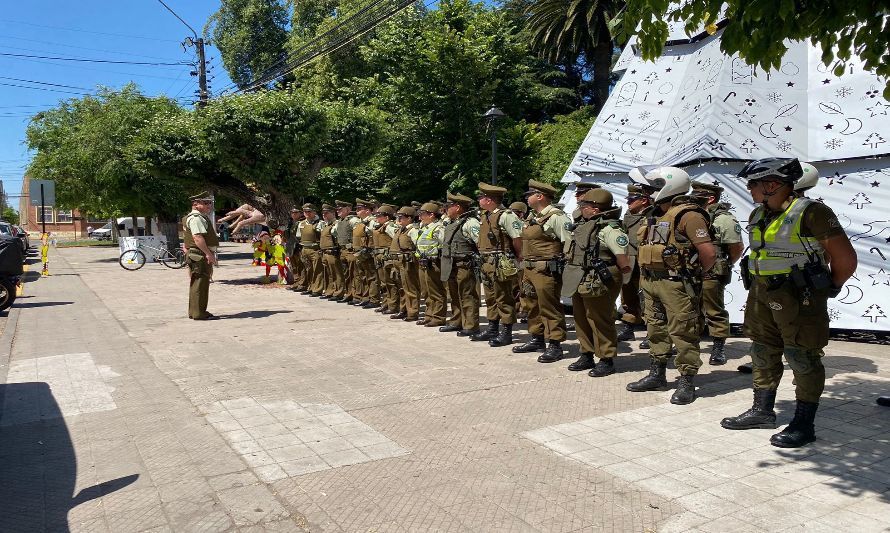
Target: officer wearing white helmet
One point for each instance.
(675, 249)
(806, 182)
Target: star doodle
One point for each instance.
(787, 128)
(879, 108)
(667, 69)
(826, 81)
(875, 183)
(829, 126)
(644, 143)
(881, 277)
(633, 71)
(745, 117)
(790, 84)
(661, 102)
(887, 240)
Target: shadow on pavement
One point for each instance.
(38, 466)
(254, 314)
(43, 304)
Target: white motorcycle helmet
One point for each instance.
(669, 181)
(638, 174)
(809, 180)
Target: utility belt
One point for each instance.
(311, 245)
(494, 257)
(331, 251)
(402, 255)
(552, 267)
(813, 276)
(463, 262)
(660, 275)
(428, 262)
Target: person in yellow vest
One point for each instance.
(459, 240)
(800, 257)
(521, 211)
(292, 246)
(342, 234)
(200, 242)
(675, 249)
(277, 256)
(382, 237)
(260, 248)
(403, 259)
(727, 233)
(309, 230)
(546, 233)
(596, 267)
(500, 243)
(330, 256)
(428, 249)
(367, 292)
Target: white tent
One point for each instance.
(697, 108)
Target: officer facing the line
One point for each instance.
(200, 242)
(675, 249)
(800, 257)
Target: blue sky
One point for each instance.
(123, 30)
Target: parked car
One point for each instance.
(23, 235)
(124, 227)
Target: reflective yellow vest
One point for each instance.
(779, 246)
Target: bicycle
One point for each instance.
(134, 259)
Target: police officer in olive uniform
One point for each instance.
(674, 235)
(521, 211)
(639, 204)
(405, 261)
(581, 188)
(800, 257)
(382, 237)
(595, 269)
(293, 247)
(330, 256)
(500, 243)
(429, 245)
(200, 247)
(728, 238)
(342, 233)
(309, 230)
(544, 237)
(367, 294)
(458, 257)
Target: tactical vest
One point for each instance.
(778, 246)
(361, 237)
(492, 237)
(381, 238)
(586, 247)
(344, 233)
(308, 233)
(660, 234)
(394, 243)
(427, 244)
(210, 237)
(537, 245)
(721, 266)
(293, 236)
(456, 245)
(326, 238)
(632, 223)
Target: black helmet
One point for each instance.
(782, 168)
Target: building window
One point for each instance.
(47, 212)
(64, 216)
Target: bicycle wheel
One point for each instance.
(174, 259)
(132, 260)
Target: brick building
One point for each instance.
(65, 223)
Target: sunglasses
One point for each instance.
(753, 183)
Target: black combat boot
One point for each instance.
(536, 344)
(644, 344)
(685, 392)
(746, 368)
(552, 354)
(801, 430)
(718, 355)
(585, 362)
(625, 332)
(504, 338)
(370, 305)
(883, 401)
(449, 328)
(468, 332)
(656, 379)
(490, 332)
(761, 415)
(400, 315)
(604, 367)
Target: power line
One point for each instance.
(46, 83)
(38, 41)
(88, 31)
(85, 60)
(81, 67)
(41, 89)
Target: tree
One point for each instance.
(756, 30)
(10, 215)
(567, 32)
(84, 146)
(559, 141)
(251, 37)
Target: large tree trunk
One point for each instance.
(602, 65)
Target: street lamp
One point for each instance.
(492, 116)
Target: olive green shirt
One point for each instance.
(557, 226)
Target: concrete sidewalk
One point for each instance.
(294, 414)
